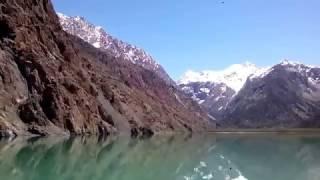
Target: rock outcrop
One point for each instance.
(55, 83)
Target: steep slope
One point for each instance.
(98, 37)
(213, 90)
(287, 95)
(55, 83)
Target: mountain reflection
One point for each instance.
(162, 158)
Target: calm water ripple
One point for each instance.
(162, 158)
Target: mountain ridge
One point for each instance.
(99, 38)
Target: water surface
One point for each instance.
(231, 157)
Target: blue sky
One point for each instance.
(208, 34)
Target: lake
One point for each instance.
(210, 156)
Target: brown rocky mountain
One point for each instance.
(55, 83)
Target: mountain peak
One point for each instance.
(295, 66)
(287, 62)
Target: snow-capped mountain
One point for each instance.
(234, 76)
(286, 95)
(99, 38)
(214, 89)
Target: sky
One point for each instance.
(209, 34)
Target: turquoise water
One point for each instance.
(162, 158)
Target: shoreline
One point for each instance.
(293, 131)
(230, 131)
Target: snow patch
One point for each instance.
(62, 16)
(223, 89)
(314, 82)
(205, 90)
(211, 117)
(96, 45)
(217, 98)
(194, 97)
(179, 100)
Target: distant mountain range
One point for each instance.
(243, 95)
(99, 38)
(214, 89)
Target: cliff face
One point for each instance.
(54, 83)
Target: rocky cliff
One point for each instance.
(55, 83)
